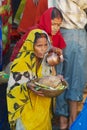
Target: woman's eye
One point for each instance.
(39, 45)
(46, 44)
(54, 24)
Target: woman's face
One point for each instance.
(55, 25)
(41, 47)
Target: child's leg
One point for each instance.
(63, 121)
(73, 109)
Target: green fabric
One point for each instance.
(19, 12)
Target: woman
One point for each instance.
(50, 21)
(27, 109)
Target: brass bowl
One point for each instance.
(51, 91)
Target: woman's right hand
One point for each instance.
(58, 51)
(31, 86)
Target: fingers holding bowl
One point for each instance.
(35, 89)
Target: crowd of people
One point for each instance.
(46, 25)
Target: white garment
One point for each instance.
(73, 13)
(19, 125)
(50, 3)
(1, 2)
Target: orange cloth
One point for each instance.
(31, 14)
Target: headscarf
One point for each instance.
(23, 69)
(45, 24)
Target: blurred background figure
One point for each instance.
(0, 43)
(28, 13)
(75, 55)
(6, 15)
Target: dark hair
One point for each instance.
(56, 13)
(39, 35)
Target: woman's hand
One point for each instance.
(61, 77)
(35, 2)
(31, 86)
(58, 51)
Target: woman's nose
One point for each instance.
(43, 49)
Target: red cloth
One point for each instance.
(17, 47)
(32, 14)
(20, 43)
(45, 24)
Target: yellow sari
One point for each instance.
(31, 109)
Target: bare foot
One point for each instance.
(63, 122)
(73, 108)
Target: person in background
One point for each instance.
(75, 55)
(50, 21)
(23, 16)
(29, 109)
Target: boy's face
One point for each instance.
(55, 25)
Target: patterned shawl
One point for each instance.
(23, 69)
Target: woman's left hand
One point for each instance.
(32, 87)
